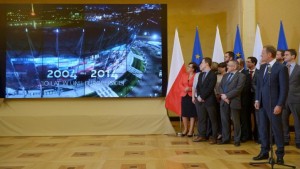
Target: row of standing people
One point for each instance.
(210, 98)
(234, 94)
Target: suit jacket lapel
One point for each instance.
(294, 70)
(233, 77)
(255, 74)
(225, 80)
(200, 79)
(206, 76)
(273, 68)
(262, 71)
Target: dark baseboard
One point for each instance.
(174, 118)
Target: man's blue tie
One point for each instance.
(229, 77)
(227, 82)
(203, 77)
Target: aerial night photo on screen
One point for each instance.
(85, 50)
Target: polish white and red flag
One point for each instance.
(177, 69)
(258, 47)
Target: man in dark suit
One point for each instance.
(246, 132)
(272, 89)
(280, 56)
(253, 72)
(293, 100)
(228, 56)
(206, 98)
(230, 88)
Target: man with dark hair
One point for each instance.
(228, 56)
(251, 65)
(280, 56)
(230, 89)
(246, 130)
(272, 90)
(206, 101)
(293, 100)
(251, 60)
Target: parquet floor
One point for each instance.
(129, 152)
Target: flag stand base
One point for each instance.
(179, 134)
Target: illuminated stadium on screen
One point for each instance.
(86, 50)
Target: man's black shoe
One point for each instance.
(280, 160)
(237, 144)
(298, 145)
(286, 143)
(244, 140)
(220, 142)
(261, 156)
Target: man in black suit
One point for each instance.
(246, 132)
(206, 98)
(280, 56)
(272, 90)
(293, 100)
(230, 89)
(253, 72)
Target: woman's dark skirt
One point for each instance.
(188, 108)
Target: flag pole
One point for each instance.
(179, 134)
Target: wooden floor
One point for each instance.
(129, 152)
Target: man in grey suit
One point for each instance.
(230, 88)
(293, 100)
(272, 89)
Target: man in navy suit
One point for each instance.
(207, 101)
(280, 56)
(293, 100)
(271, 95)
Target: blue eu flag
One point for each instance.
(197, 51)
(238, 47)
(282, 44)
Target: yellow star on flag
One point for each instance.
(197, 56)
(238, 55)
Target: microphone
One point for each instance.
(269, 69)
(269, 72)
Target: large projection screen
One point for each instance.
(83, 50)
